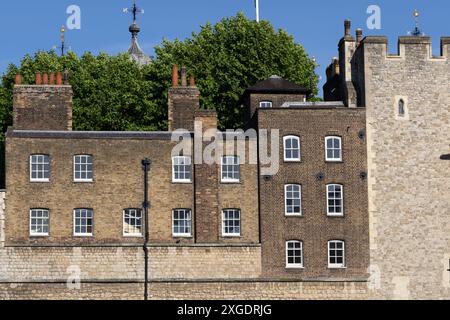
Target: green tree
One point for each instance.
(229, 57)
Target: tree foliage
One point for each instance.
(229, 57)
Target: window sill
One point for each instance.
(83, 181)
(83, 235)
(182, 236)
(334, 161)
(230, 236)
(181, 182)
(336, 268)
(230, 182)
(295, 267)
(40, 181)
(298, 215)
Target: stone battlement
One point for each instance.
(408, 46)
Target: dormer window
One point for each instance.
(265, 104)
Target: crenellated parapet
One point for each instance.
(409, 47)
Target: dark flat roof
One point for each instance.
(277, 84)
(149, 135)
(89, 134)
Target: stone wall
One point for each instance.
(409, 197)
(189, 291)
(2, 217)
(116, 264)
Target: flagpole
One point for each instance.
(257, 10)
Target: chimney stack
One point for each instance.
(184, 101)
(347, 26)
(42, 106)
(175, 75)
(359, 36)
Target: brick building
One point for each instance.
(325, 224)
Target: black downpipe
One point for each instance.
(146, 205)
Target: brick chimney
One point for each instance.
(183, 102)
(43, 105)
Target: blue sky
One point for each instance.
(28, 25)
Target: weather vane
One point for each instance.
(416, 31)
(63, 40)
(63, 46)
(134, 10)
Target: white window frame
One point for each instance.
(184, 158)
(225, 163)
(336, 265)
(286, 199)
(39, 234)
(39, 163)
(187, 212)
(334, 214)
(333, 149)
(294, 265)
(87, 156)
(135, 218)
(268, 104)
(81, 234)
(231, 234)
(285, 139)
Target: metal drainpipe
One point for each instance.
(146, 205)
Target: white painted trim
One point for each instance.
(326, 149)
(231, 235)
(173, 170)
(333, 214)
(299, 159)
(285, 201)
(294, 265)
(337, 265)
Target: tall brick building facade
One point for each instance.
(340, 218)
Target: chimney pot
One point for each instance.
(359, 35)
(59, 78)
(38, 79)
(183, 77)
(347, 26)
(66, 77)
(336, 67)
(175, 75)
(192, 81)
(45, 79)
(52, 78)
(18, 79)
